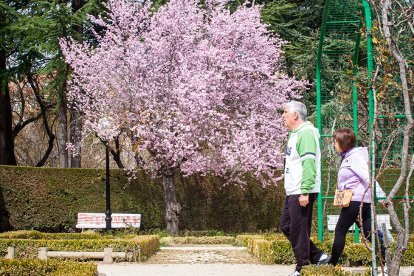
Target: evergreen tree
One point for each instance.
(29, 33)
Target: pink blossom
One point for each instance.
(199, 88)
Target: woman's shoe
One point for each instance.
(324, 259)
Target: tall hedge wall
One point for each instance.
(48, 199)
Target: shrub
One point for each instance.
(261, 249)
(46, 267)
(268, 248)
(357, 254)
(275, 249)
(48, 199)
(203, 233)
(282, 252)
(408, 259)
(327, 270)
(27, 248)
(37, 235)
(197, 240)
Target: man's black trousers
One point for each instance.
(295, 223)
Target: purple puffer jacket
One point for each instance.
(354, 174)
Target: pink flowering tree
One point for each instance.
(196, 87)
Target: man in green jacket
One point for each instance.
(302, 185)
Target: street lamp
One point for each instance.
(103, 125)
(108, 212)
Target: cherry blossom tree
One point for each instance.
(198, 89)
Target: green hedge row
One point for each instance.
(328, 270)
(197, 240)
(48, 199)
(28, 248)
(272, 249)
(37, 235)
(47, 267)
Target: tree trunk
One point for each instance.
(390, 36)
(7, 156)
(116, 154)
(172, 207)
(76, 137)
(75, 116)
(35, 87)
(63, 133)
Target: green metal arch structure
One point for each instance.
(337, 97)
(344, 69)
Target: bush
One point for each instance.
(27, 248)
(357, 254)
(48, 199)
(37, 235)
(275, 249)
(245, 238)
(269, 249)
(328, 270)
(282, 252)
(197, 240)
(261, 248)
(202, 233)
(408, 259)
(46, 267)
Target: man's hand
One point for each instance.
(303, 200)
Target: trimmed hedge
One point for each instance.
(48, 199)
(27, 248)
(37, 235)
(328, 270)
(197, 240)
(46, 267)
(273, 249)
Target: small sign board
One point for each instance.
(97, 220)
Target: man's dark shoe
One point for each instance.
(324, 259)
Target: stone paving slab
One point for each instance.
(144, 269)
(193, 269)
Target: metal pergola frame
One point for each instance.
(370, 65)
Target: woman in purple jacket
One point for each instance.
(353, 174)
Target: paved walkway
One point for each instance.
(128, 269)
(206, 260)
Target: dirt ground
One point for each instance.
(201, 254)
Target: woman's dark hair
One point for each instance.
(346, 138)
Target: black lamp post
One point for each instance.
(108, 212)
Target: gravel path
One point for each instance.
(202, 254)
(206, 260)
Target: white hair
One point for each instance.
(298, 107)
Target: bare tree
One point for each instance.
(395, 24)
(31, 104)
